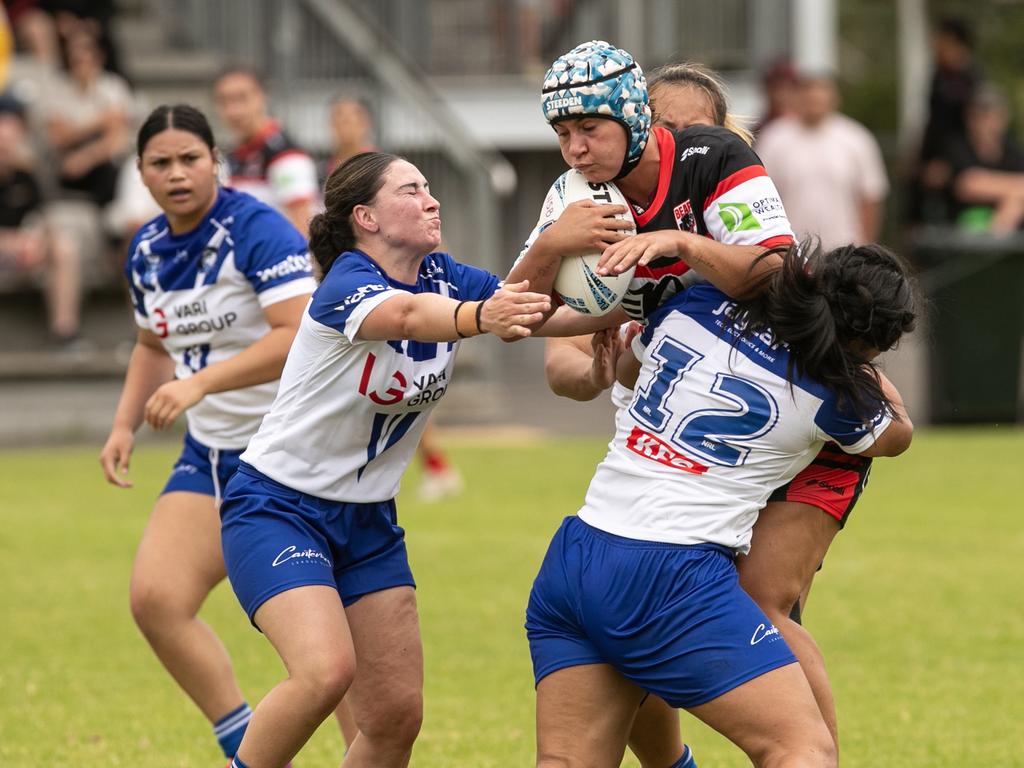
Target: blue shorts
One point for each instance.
(201, 469)
(276, 538)
(673, 619)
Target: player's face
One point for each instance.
(407, 215)
(678, 106)
(179, 170)
(241, 102)
(594, 146)
(350, 124)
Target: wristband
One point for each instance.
(461, 335)
(479, 311)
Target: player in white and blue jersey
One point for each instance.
(218, 282)
(311, 539)
(638, 592)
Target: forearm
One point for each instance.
(568, 372)
(568, 322)
(148, 368)
(978, 185)
(733, 269)
(257, 364)
(539, 265)
(870, 220)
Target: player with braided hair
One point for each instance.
(638, 593)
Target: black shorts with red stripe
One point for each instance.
(832, 482)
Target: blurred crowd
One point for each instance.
(70, 195)
(65, 117)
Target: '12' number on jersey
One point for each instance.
(711, 433)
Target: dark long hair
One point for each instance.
(182, 117)
(355, 182)
(834, 309)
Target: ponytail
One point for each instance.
(835, 311)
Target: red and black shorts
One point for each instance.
(832, 482)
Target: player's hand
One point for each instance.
(171, 400)
(607, 346)
(585, 227)
(116, 455)
(508, 313)
(642, 249)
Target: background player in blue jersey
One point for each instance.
(218, 281)
(638, 593)
(791, 535)
(311, 540)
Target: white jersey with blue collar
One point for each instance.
(713, 426)
(203, 293)
(349, 413)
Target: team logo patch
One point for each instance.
(737, 217)
(650, 447)
(685, 219)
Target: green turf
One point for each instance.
(918, 611)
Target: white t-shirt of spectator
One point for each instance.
(824, 174)
(70, 103)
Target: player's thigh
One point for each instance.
(180, 551)
(655, 737)
(584, 715)
(789, 542)
(774, 712)
(389, 678)
(308, 627)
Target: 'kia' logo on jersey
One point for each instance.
(392, 394)
(650, 447)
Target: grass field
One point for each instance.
(918, 610)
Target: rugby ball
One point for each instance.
(577, 284)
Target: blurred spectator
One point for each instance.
(987, 167)
(779, 82)
(266, 163)
(87, 121)
(92, 17)
(827, 167)
(351, 130)
(954, 81)
(28, 249)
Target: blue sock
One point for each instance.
(686, 761)
(237, 763)
(230, 729)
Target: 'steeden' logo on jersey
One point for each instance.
(650, 447)
(296, 262)
(685, 219)
(737, 217)
(391, 395)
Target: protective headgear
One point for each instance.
(598, 79)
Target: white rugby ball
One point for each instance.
(577, 282)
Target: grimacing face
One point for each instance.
(594, 146)
(404, 211)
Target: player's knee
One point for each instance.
(775, 596)
(397, 719)
(324, 678)
(811, 746)
(552, 760)
(154, 606)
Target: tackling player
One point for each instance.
(731, 400)
(311, 539)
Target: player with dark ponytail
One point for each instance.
(837, 311)
(218, 282)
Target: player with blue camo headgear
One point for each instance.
(598, 79)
